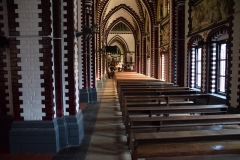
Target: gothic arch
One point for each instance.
(127, 9)
(215, 33)
(120, 40)
(127, 23)
(150, 10)
(192, 40)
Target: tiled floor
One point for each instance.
(108, 140)
(105, 139)
(4, 155)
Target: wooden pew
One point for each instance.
(180, 135)
(145, 85)
(185, 143)
(167, 99)
(200, 109)
(160, 123)
(168, 110)
(179, 123)
(164, 91)
(149, 88)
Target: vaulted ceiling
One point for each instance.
(111, 10)
(134, 14)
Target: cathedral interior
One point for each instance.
(55, 56)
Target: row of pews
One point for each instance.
(164, 120)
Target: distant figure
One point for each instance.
(112, 68)
(109, 72)
(112, 74)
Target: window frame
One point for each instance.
(197, 61)
(218, 71)
(163, 66)
(194, 71)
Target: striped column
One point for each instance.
(57, 42)
(233, 58)
(70, 64)
(15, 66)
(73, 116)
(204, 69)
(86, 57)
(213, 68)
(30, 26)
(92, 58)
(47, 61)
(6, 109)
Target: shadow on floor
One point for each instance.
(90, 113)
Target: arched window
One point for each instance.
(196, 67)
(219, 65)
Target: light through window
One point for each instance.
(222, 68)
(196, 67)
(163, 67)
(218, 67)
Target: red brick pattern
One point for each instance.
(85, 59)
(14, 51)
(57, 57)
(3, 103)
(46, 50)
(70, 58)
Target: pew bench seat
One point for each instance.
(183, 121)
(201, 109)
(167, 110)
(180, 123)
(185, 143)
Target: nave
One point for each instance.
(104, 135)
(108, 140)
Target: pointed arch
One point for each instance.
(119, 40)
(192, 40)
(150, 10)
(213, 34)
(217, 32)
(128, 10)
(123, 20)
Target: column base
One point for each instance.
(84, 96)
(63, 132)
(104, 80)
(5, 126)
(75, 128)
(99, 84)
(93, 97)
(34, 137)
